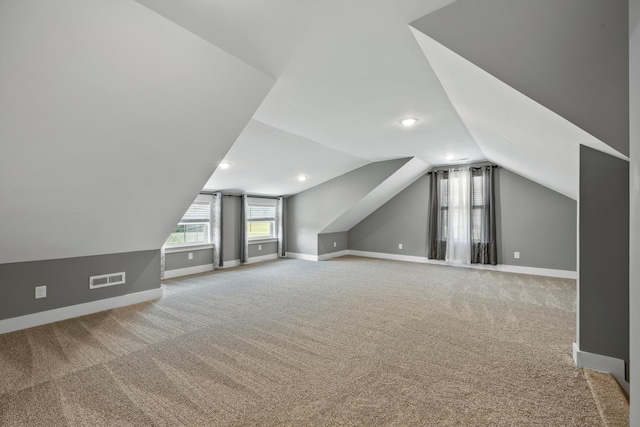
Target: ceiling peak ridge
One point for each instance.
(311, 141)
(209, 42)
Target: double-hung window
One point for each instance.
(261, 219)
(478, 205)
(194, 227)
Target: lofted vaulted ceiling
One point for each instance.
(348, 71)
(117, 112)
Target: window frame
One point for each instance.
(257, 201)
(179, 247)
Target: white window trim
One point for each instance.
(187, 248)
(264, 202)
(184, 247)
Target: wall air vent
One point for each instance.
(106, 280)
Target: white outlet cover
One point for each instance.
(259, 247)
(334, 244)
(516, 255)
(399, 245)
(190, 256)
(41, 291)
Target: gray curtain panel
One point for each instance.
(280, 224)
(483, 217)
(244, 236)
(437, 238)
(162, 262)
(216, 229)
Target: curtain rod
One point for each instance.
(444, 168)
(239, 195)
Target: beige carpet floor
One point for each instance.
(351, 341)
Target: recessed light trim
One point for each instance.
(409, 121)
(302, 178)
(224, 165)
(449, 157)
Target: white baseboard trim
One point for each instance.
(179, 272)
(330, 255)
(601, 363)
(393, 257)
(261, 258)
(64, 313)
(563, 274)
(231, 264)
(305, 257)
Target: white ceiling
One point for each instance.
(117, 112)
(512, 129)
(347, 72)
(106, 121)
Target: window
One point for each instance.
(193, 228)
(477, 207)
(462, 216)
(261, 219)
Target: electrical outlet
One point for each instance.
(190, 255)
(516, 255)
(335, 244)
(41, 291)
(259, 247)
(399, 245)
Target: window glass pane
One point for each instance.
(261, 212)
(177, 237)
(189, 233)
(260, 229)
(477, 191)
(197, 212)
(193, 228)
(476, 224)
(194, 233)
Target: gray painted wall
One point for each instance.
(67, 280)
(231, 207)
(310, 211)
(530, 218)
(326, 241)
(603, 283)
(402, 219)
(262, 249)
(177, 260)
(570, 56)
(535, 221)
(634, 279)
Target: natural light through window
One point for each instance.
(261, 220)
(193, 228)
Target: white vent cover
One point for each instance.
(106, 280)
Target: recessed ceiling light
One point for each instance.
(224, 165)
(302, 178)
(409, 121)
(449, 157)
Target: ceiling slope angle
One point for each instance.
(414, 9)
(112, 118)
(360, 72)
(571, 56)
(264, 34)
(512, 129)
(268, 161)
(385, 191)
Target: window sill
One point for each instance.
(261, 241)
(187, 248)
